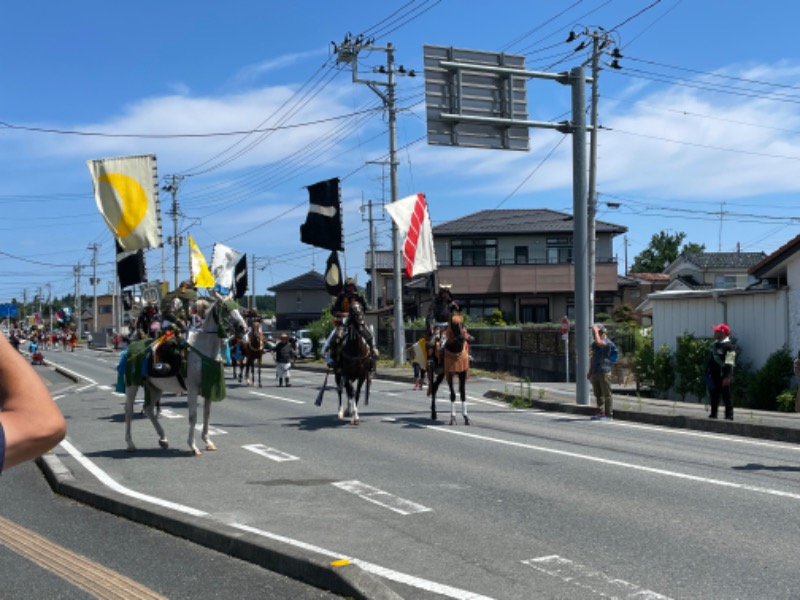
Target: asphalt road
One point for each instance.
(521, 504)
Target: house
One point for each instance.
(520, 261)
(763, 317)
(634, 287)
(416, 291)
(712, 270)
(300, 300)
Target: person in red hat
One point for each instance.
(719, 371)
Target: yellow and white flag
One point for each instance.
(201, 276)
(126, 192)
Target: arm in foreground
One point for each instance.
(32, 421)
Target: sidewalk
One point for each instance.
(561, 397)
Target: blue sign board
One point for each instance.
(8, 310)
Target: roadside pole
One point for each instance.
(565, 337)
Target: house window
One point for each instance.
(534, 310)
(299, 301)
(521, 255)
(106, 309)
(482, 306)
(473, 252)
(559, 250)
(725, 281)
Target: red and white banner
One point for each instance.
(411, 216)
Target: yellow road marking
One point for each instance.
(93, 578)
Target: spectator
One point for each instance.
(418, 353)
(30, 422)
(284, 358)
(600, 372)
(719, 371)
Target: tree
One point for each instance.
(663, 249)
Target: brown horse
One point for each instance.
(253, 349)
(355, 365)
(451, 357)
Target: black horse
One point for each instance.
(354, 365)
(451, 357)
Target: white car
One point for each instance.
(304, 344)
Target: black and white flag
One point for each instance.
(323, 226)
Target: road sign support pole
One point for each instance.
(580, 234)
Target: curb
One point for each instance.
(340, 577)
(752, 430)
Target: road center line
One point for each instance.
(381, 498)
(270, 453)
(290, 400)
(583, 577)
(653, 470)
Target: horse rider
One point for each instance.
(441, 308)
(176, 307)
(340, 310)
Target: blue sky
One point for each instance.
(701, 127)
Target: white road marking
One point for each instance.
(104, 387)
(381, 498)
(588, 579)
(377, 570)
(290, 400)
(76, 374)
(211, 430)
(270, 453)
(170, 414)
(59, 397)
(617, 463)
(704, 434)
(86, 387)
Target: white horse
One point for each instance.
(203, 354)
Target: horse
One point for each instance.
(204, 373)
(237, 356)
(354, 365)
(253, 348)
(451, 358)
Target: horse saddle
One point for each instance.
(167, 361)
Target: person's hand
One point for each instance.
(726, 381)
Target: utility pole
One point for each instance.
(49, 303)
(77, 309)
(347, 53)
(373, 266)
(175, 239)
(600, 41)
(94, 281)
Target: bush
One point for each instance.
(770, 381)
(644, 364)
(785, 400)
(663, 371)
(691, 356)
(318, 330)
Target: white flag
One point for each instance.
(414, 223)
(223, 265)
(126, 192)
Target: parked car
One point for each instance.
(304, 344)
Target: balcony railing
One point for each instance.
(512, 261)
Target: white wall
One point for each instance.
(759, 319)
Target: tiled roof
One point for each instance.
(517, 221)
(308, 281)
(692, 283)
(724, 260)
(773, 260)
(651, 277)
